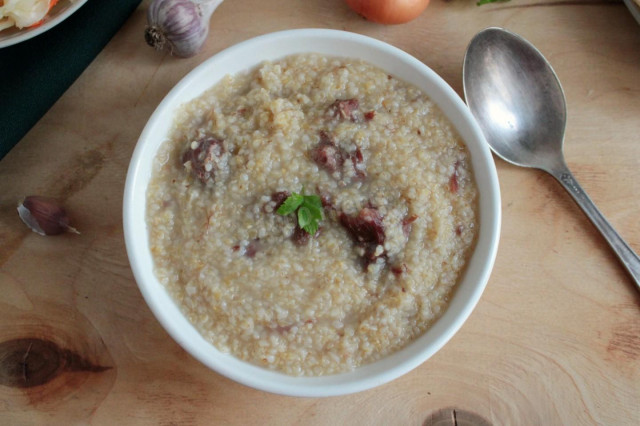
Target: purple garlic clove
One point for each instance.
(44, 215)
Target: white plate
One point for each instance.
(59, 13)
(634, 9)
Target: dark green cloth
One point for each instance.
(36, 72)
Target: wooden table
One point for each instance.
(553, 341)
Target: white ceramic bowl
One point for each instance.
(247, 55)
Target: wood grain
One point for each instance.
(553, 341)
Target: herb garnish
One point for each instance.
(309, 209)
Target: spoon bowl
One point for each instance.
(516, 97)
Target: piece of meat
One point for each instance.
(367, 230)
(326, 154)
(357, 159)
(200, 156)
(344, 109)
(368, 116)
(329, 156)
(279, 197)
(301, 237)
(366, 227)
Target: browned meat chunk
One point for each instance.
(278, 198)
(329, 156)
(369, 115)
(201, 157)
(326, 154)
(344, 109)
(301, 237)
(367, 230)
(358, 164)
(366, 227)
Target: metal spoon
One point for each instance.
(516, 98)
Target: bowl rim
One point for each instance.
(467, 293)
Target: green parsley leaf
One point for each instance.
(309, 209)
(314, 203)
(290, 204)
(304, 217)
(311, 227)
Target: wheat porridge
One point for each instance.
(377, 162)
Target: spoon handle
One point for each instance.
(629, 259)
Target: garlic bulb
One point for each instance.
(181, 26)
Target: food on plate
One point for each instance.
(24, 13)
(390, 222)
